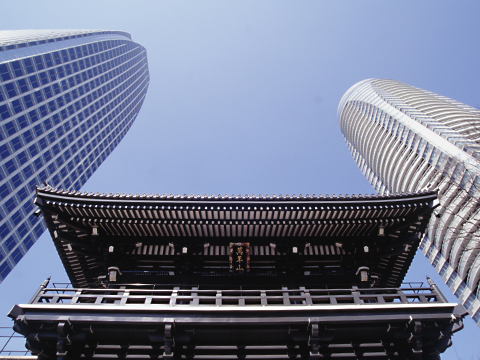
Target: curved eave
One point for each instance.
(78, 218)
(65, 196)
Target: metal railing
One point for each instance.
(11, 342)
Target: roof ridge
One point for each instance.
(253, 197)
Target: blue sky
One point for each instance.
(244, 94)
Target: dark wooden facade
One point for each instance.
(236, 277)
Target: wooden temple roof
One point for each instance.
(90, 229)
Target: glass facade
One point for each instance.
(406, 139)
(67, 98)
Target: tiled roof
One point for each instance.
(156, 222)
(198, 197)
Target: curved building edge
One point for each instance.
(406, 139)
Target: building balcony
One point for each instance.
(174, 322)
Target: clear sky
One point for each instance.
(243, 97)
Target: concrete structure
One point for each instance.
(408, 139)
(67, 98)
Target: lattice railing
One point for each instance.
(196, 296)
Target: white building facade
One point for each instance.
(406, 139)
(67, 98)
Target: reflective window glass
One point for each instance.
(28, 242)
(38, 96)
(59, 101)
(64, 55)
(28, 101)
(48, 92)
(38, 164)
(53, 75)
(33, 150)
(52, 106)
(27, 171)
(56, 88)
(22, 158)
(56, 119)
(22, 231)
(17, 68)
(27, 136)
(22, 121)
(17, 217)
(4, 191)
(57, 59)
(44, 78)
(4, 113)
(38, 62)
(17, 107)
(10, 128)
(11, 90)
(10, 242)
(60, 72)
(4, 151)
(22, 84)
(16, 143)
(48, 60)
(33, 81)
(4, 72)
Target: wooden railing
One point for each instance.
(196, 296)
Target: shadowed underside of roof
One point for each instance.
(290, 236)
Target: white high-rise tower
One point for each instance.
(405, 139)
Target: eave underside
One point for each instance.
(183, 237)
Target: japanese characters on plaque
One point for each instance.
(239, 257)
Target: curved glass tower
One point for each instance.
(67, 98)
(405, 139)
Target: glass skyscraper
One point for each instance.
(67, 98)
(405, 139)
